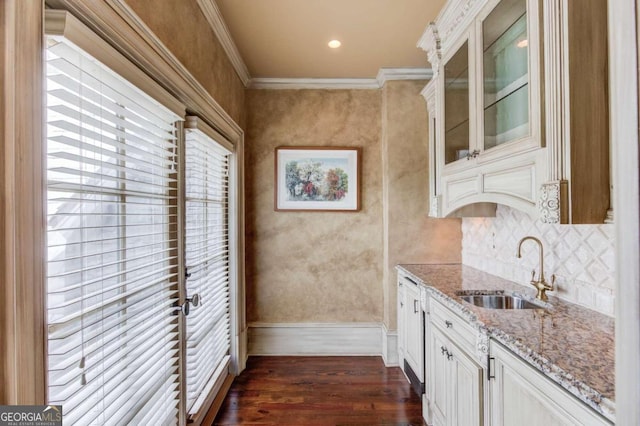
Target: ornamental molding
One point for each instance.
(384, 75)
(456, 18)
(429, 94)
(430, 43)
(118, 24)
(436, 206)
(216, 22)
(423, 299)
(482, 345)
(314, 83)
(396, 74)
(552, 202)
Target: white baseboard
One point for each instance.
(390, 347)
(344, 339)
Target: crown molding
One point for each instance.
(394, 74)
(216, 21)
(384, 75)
(118, 24)
(314, 83)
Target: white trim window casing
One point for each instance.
(207, 259)
(112, 207)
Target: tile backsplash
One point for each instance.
(581, 256)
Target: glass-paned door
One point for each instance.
(456, 105)
(208, 268)
(113, 343)
(506, 73)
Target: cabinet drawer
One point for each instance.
(457, 329)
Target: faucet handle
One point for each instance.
(552, 286)
(533, 276)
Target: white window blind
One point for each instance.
(207, 262)
(112, 246)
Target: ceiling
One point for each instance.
(288, 38)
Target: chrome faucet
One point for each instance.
(541, 284)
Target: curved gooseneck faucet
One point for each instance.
(541, 284)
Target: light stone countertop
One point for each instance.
(572, 345)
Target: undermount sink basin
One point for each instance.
(500, 301)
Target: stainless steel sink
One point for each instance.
(500, 301)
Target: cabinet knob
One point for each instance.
(473, 154)
(449, 356)
(443, 350)
(449, 324)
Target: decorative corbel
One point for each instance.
(430, 43)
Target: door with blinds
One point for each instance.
(122, 320)
(112, 245)
(207, 263)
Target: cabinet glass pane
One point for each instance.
(456, 106)
(506, 73)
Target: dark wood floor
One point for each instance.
(305, 391)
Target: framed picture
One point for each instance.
(317, 179)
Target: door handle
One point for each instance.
(193, 300)
(185, 308)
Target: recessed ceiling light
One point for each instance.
(334, 44)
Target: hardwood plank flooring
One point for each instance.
(301, 391)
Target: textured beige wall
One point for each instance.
(410, 236)
(313, 267)
(182, 27)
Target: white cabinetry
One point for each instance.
(413, 324)
(518, 103)
(455, 379)
(521, 395)
(410, 332)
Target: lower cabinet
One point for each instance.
(520, 395)
(413, 323)
(456, 383)
(503, 390)
(411, 332)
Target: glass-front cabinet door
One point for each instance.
(506, 88)
(456, 105)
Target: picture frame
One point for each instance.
(317, 179)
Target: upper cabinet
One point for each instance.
(518, 103)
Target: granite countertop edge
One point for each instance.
(575, 386)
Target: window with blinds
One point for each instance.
(113, 345)
(207, 262)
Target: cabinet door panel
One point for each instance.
(467, 400)
(413, 324)
(439, 379)
(401, 321)
(522, 395)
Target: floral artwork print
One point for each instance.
(317, 179)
